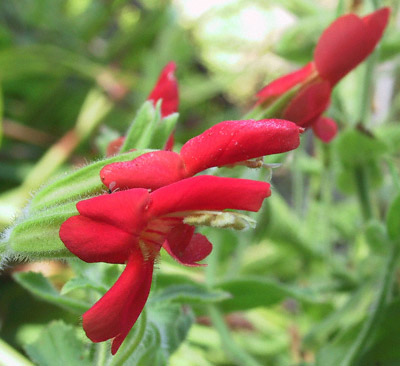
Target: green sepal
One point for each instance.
(275, 108)
(76, 185)
(141, 130)
(149, 129)
(38, 236)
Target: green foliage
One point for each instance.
(41, 287)
(58, 345)
(393, 220)
(149, 129)
(189, 294)
(250, 292)
(301, 286)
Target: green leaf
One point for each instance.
(357, 148)
(96, 276)
(375, 234)
(173, 323)
(346, 181)
(82, 283)
(393, 219)
(58, 345)
(189, 294)
(251, 292)
(41, 287)
(384, 350)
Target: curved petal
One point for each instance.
(167, 90)
(123, 209)
(134, 306)
(117, 311)
(309, 103)
(281, 85)
(186, 247)
(208, 193)
(234, 141)
(347, 42)
(94, 241)
(376, 23)
(325, 129)
(151, 170)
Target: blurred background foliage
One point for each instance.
(73, 74)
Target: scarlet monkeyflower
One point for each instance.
(225, 143)
(342, 46)
(131, 227)
(166, 89)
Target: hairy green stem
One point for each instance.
(375, 316)
(130, 347)
(9, 356)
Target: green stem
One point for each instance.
(238, 356)
(130, 347)
(361, 180)
(366, 91)
(9, 356)
(101, 354)
(297, 183)
(375, 316)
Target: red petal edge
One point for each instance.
(186, 247)
(325, 129)
(281, 85)
(117, 311)
(166, 89)
(208, 193)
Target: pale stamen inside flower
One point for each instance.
(218, 219)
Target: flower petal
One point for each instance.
(279, 86)
(309, 103)
(208, 193)
(347, 42)
(151, 170)
(117, 311)
(325, 129)
(376, 23)
(123, 209)
(234, 141)
(135, 306)
(167, 90)
(94, 241)
(186, 247)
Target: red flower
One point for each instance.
(226, 143)
(341, 47)
(166, 89)
(131, 227)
